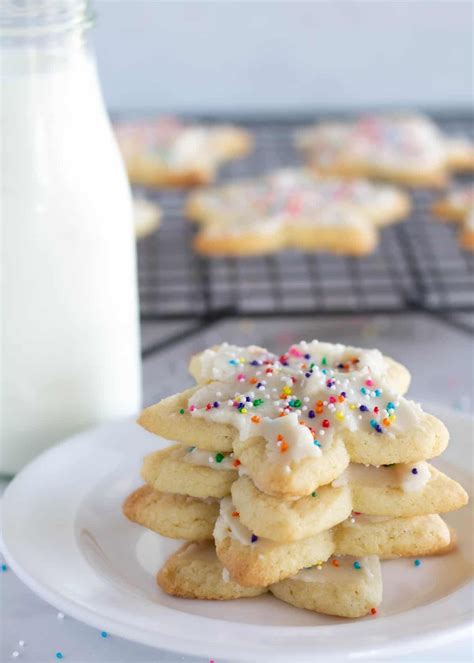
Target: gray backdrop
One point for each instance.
(263, 56)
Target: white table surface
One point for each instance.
(441, 361)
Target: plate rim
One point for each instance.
(192, 646)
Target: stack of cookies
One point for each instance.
(294, 474)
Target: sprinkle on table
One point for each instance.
(417, 562)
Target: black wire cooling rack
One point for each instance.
(418, 265)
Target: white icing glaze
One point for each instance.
(409, 477)
(344, 571)
(287, 430)
(203, 458)
(188, 147)
(214, 363)
(412, 477)
(325, 387)
(228, 525)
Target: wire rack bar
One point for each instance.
(418, 265)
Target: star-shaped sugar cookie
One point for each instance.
(404, 148)
(291, 208)
(295, 421)
(166, 152)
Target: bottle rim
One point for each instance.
(32, 19)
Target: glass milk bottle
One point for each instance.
(70, 345)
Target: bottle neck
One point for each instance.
(40, 23)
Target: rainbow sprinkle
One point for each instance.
(276, 386)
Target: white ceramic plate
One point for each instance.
(65, 536)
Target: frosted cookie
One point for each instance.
(171, 419)
(343, 586)
(409, 489)
(294, 414)
(172, 515)
(291, 209)
(290, 520)
(189, 471)
(390, 537)
(165, 152)
(458, 206)
(194, 572)
(147, 217)
(292, 194)
(254, 561)
(403, 148)
(221, 361)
